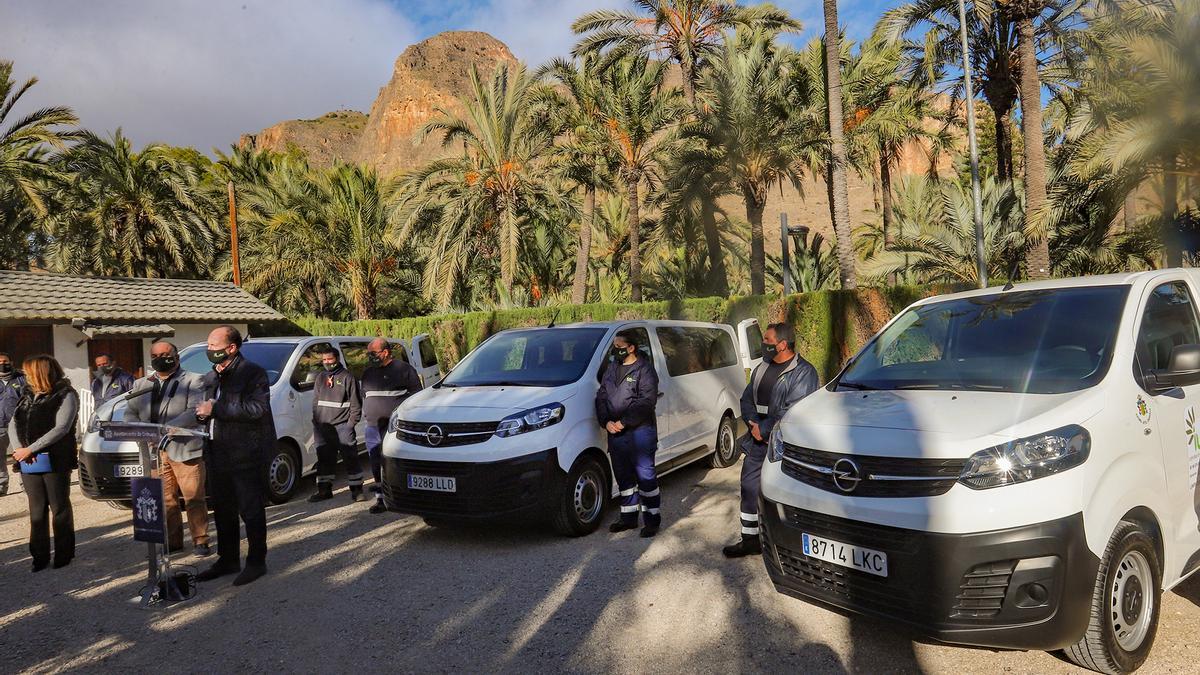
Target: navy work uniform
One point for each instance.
(774, 388)
(384, 388)
(628, 394)
(337, 407)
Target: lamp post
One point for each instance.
(785, 259)
(969, 94)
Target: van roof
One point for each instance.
(653, 323)
(1122, 279)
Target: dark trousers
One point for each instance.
(239, 493)
(751, 485)
(632, 453)
(374, 437)
(334, 440)
(50, 493)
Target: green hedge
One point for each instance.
(831, 325)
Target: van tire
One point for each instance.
(283, 473)
(726, 453)
(1129, 558)
(579, 497)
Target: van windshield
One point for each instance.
(272, 356)
(1038, 342)
(538, 357)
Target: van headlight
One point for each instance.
(531, 420)
(775, 445)
(1027, 458)
(394, 421)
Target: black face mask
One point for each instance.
(330, 367)
(104, 370)
(163, 364)
(217, 355)
(374, 359)
(770, 351)
(620, 353)
(5, 368)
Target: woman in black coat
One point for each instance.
(43, 431)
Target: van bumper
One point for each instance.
(1027, 587)
(507, 488)
(97, 476)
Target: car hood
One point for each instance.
(476, 404)
(943, 424)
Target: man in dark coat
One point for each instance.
(109, 380)
(238, 413)
(12, 382)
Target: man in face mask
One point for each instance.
(386, 383)
(782, 379)
(242, 428)
(12, 381)
(337, 407)
(109, 380)
(174, 395)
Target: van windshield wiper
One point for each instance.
(856, 386)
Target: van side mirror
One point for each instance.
(1182, 370)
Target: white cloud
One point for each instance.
(201, 73)
(536, 30)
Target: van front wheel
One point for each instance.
(579, 497)
(1125, 605)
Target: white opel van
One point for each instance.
(1004, 468)
(292, 363)
(511, 431)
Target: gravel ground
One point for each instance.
(351, 591)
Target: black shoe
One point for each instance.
(39, 566)
(649, 531)
(621, 526)
(749, 545)
(378, 507)
(356, 494)
(219, 569)
(62, 562)
(249, 574)
(324, 491)
(202, 550)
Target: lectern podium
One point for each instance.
(161, 586)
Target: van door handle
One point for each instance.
(291, 396)
(661, 394)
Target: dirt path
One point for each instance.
(351, 591)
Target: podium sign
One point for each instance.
(149, 516)
(131, 431)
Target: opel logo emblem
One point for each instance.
(434, 435)
(846, 475)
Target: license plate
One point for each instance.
(128, 471)
(855, 557)
(434, 483)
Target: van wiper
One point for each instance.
(856, 386)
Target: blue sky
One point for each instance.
(202, 73)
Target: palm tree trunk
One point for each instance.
(1037, 258)
(584, 254)
(885, 188)
(837, 152)
(1004, 158)
(758, 253)
(1129, 210)
(688, 71)
(322, 300)
(635, 251)
(508, 247)
(1170, 208)
(364, 304)
(718, 279)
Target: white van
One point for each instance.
(106, 467)
(1004, 468)
(511, 430)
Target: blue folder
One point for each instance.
(40, 464)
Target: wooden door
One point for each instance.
(21, 342)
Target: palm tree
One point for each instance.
(23, 165)
(138, 214)
(582, 154)
(638, 112)
(938, 245)
(839, 198)
(473, 207)
(688, 32)
(753, 128)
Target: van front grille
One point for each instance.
(878, 476)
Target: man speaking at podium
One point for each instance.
(242, 439)
(173, 398)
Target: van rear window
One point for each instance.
(1042, 342)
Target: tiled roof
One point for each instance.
(144, 330)
(56, 297)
